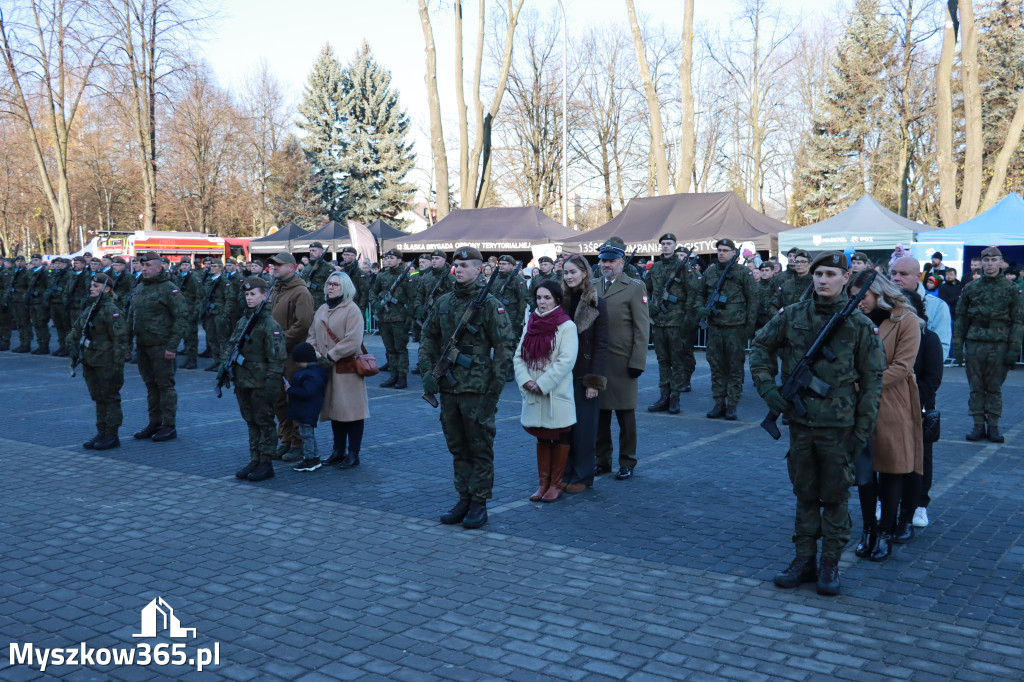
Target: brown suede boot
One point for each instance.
(560, 453)
(543, 469)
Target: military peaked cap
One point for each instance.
(611, 253)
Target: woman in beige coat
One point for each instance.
(543, 365)
(897, 441)
(337, 334)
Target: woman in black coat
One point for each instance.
(928, 370)
(590, 315)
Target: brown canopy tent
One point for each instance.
(488, 230)
(697, 221)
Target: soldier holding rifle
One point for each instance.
(513, 293)
(393, 296)
(672, 300)
(466, 347)
(830, 419)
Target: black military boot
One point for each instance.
(147, 432)
(5, 346)
(22, 349)
(190, 364)
(883, 548)
(350, 460)
(476, 517)
(243, 473)
(206, 353)
(107, 442)
(401, 383)
(800, 571)
(165, 433)
(42, 350)
(262, 472)
(457, 513)
(88, 445)
(673, 405)
(868, 539)
(730, 412)
(213, 368)
(390, 381)
(61, 353)
(660, 405)
(416, 370)
(828, 577)
(993, 434)
(686, 387)
(978, 433)
(717, 412)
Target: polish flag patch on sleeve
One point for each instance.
(500, 309)
(277, 333)
(174, 291)
(645, 298)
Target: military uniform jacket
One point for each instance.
(35, 293)
(791, 289)
(315, 274)
(515, 297)
(106, 335)
(18, 289)
(158, 314)
(740, 307)
(683, 287)
(766, 290)
(77, 289)
(360, 281)
(58, 285)
(990, 309)
(427, 281)
(855, 376)
(264, 351)
(194, 293)
(6, 278)
(405, 292)
(490, 347)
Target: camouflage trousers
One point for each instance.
(821, 473)
(467, 420)
(39, 316)
(726, 353)
(257, 408)
(61, 322)
(20, 321)
(986, 372)
(223, 348)
(6, 326)
(212, 340)
(157, 373)
(191, 340)
(674, 348)
(104, 385)
(395, 336)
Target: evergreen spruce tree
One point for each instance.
(839, 151)
(376, 157)
(323, 142)
(1001, 64)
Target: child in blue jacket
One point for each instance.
(305, 399)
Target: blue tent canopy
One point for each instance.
(999, 226)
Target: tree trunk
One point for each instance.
(466, 182)
(688, 140)
(434, 105)
(657, 128)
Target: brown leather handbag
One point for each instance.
(364, 364)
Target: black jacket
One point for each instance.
(591, 319)
(928, 368)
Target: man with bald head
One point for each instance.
(905, 273)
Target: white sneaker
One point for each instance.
(878, 511)
(921, 517)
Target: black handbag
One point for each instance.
(864, 465)
(931, 425)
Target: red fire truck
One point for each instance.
(174, 245)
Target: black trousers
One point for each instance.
(579, 467)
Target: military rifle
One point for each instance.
(629, 260)
(716, 296)
(309, 269)
(32, 285)
(389, 296)
(83, 339)
(450, 355)
(802, 377)
(226, 373)
(511, 276)
(807, 291)
(666, 297)
(55, 277)
(207, 307)
(430, 300)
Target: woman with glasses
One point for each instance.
(337, 335)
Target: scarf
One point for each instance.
(333, 303)
(539, 339)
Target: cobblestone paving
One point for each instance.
(347, 574)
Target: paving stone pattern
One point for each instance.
(346, 575)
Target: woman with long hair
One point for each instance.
(543, 368)
(590, 314)
(897, 442)
(337, 334)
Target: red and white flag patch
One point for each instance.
(645, 298)
(500, 309)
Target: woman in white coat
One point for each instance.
(543, 364)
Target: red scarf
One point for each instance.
(539, 339)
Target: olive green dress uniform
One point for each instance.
(393, 322)
(56, 295)
(820, 462)
(729, 330)
(469, 406)
(258, 381)
(102, 360)
(192, 289)
(990, 323)
(39, 308)
(157, 319)
(315, 275)
(674, 323)
(6, 314)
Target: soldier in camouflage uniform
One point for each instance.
(674, 322)
(258, 380)
(192, 289)
(156, 320)
(211, 323)
(824, 442)
(514, 294)
(794, 286)
(6, 315)
(38, 306)
(102, 358)
(990, 318)
(393, 318)
(469, 402)
(56, 294)
(316, 273)
(765, 288)
(77, 290)
(350, 266)
(728, 329)
(237, 306)
(223, 310)
(433, 282)
(18, 302)
(547, 273)
(123, 281)
(782, 277)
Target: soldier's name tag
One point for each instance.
(240, 360)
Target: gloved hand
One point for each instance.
(430, 386)
(703, 312)
(958, 355)
(855, 444)
(1012, 356)
(776, 403)
(633, 372)
(748, 332)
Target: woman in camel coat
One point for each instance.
(897, 441)
(337, 336)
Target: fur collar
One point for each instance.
(586, 312)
